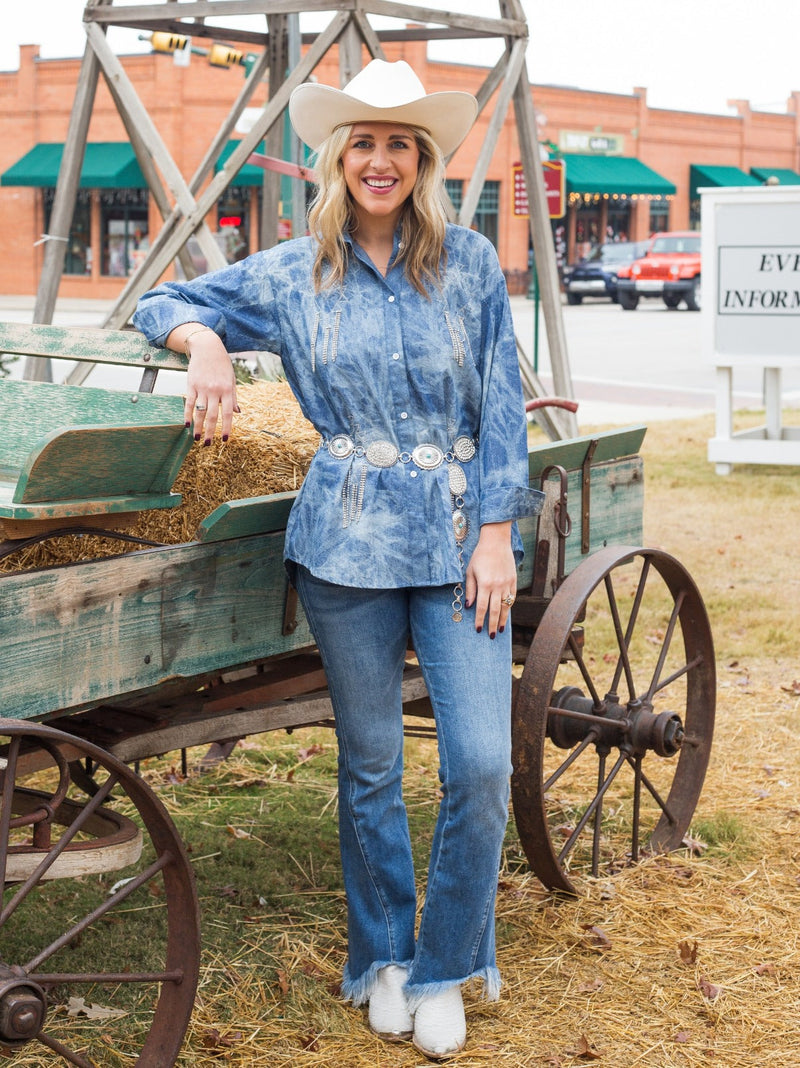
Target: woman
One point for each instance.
(395, 332)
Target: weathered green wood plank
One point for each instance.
(75, 636)
(102, 463)
(253, 515)
(616, 513)
(94, 345)
(570, 454)
(30, 410)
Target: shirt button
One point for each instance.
(395, 355)
(413, 474)
(404, 415)
(391, 300)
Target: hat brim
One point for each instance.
(316, 110)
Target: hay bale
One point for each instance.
(270, 449)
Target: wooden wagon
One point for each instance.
(165, 647)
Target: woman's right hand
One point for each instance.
(210, 381)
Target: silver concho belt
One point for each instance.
(386, 454)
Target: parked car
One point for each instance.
(596, 275)
(670, 269)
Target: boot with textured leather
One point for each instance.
(440, 1027)
(389, 1017)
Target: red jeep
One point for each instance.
(670, 269)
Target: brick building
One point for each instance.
(630, 169)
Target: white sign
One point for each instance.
(751, 275)
(751, 313)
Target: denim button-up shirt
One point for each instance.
(376, 361)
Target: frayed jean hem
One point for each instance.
(359, 990)
(418, 992)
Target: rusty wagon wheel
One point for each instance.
(613, 717)
(99, 927)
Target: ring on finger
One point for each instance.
(508, 600)
(199, 407)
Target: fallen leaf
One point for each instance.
(586, 1050)
(78, 1007)
(682, 1036)
(597, 936)
(283, 981)
(765, 969)
(590, 987)
(709, 990)
(694, 845)
(305, 754)
(214, 1039)
(236, 832)
(688, 951)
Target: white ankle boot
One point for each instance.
(389, 1017)
(440, 1027)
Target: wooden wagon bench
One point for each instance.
(110, 661)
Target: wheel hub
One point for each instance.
(23, 1007)
(613, 724)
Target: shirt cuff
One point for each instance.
(509, 502)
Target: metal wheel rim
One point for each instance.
(532, 706)
(176, 982)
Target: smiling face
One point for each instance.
(380, 164)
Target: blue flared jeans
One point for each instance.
(363, 636)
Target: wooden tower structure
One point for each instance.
(184, 202)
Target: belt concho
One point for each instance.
(426, 456)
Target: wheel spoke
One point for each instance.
(587, 678)
(631, 625)
(665, 645)
(598, 815)
(591, 807)
(566, 764)
(624, 663)
(69, 1055)
(656, 796)
(175, 975)
(143, 877)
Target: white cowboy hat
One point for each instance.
(382, 92)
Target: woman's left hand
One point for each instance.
(492, 577)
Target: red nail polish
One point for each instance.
(187, 424)
(500, 629)
(197, 437)
(493, 635)
(224, 437)
(207, 441)
(479, 629)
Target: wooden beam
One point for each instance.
(544, 250)
(514, 62)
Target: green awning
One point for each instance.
(106, 165)
(701, 176)
(614, 174)
(249, 174)
(783, 174)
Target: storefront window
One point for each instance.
(659, 215)
(78, 259)
(488, 210)
(123, 231)
(618, 223)
(588, 230)
(233, 222)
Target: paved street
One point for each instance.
(648, 361)
(625, 366)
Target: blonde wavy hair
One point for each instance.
(422, 220)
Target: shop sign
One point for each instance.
(554, 174)
(585, 143)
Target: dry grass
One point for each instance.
(689, 960)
